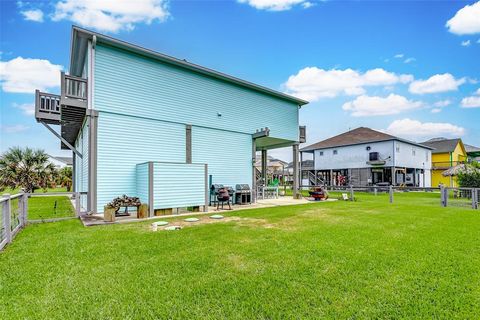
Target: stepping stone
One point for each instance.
(172, 228)
(216, 216)
(160, 223)
(191, 219)
(155, 225)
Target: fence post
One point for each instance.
(77, 204)
(390, 191)
(445, 197)
(7, 218)
(25, 207)
(474, 198)
(351, 193)
(442, 196)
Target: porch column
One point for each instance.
(295, 193)
(301, 169)
(74, 156)
(264, 167)
(254, 171)
(92, 120)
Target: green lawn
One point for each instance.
(366, 259)
(44, 207)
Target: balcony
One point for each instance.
(446, 165)
(73, 91)
(67, 109)
(47, 107)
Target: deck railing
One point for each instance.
(74, 91)
(47, 106)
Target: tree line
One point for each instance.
(29, 169)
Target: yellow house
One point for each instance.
(447, 153)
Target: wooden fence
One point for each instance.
(14, 212)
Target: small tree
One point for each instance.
(65, 177)
(470, 176)
(27, 169)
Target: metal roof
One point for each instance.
(81, 36)
(359, 135)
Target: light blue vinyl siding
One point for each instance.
(125, 141)
(228, 155)
(128, 83)
(142, 182)
(178, 185)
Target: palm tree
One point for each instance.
(65, 177)
(27, 168)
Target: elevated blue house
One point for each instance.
(146, 124)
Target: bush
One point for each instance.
(470, 177)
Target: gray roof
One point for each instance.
(81, 36)
(470, 148)
(442, 146)
(67, 160)
(359, 135)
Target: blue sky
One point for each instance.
(407, 67)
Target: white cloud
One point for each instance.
(418, 130)
(399, 55)
(472, 101)
(466, 20)
(14, 128)
(439, 105)
(33, 15)
(27, 108)
(312, 83)
(408, 60)
(25, 75)
(466, 43)
(367, 106)
(111, 16)
(442, 103)
(277, 5)
(437, 83)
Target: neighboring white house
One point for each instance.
(366, 157)
(60, 162)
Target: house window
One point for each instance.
(413, 151)
(321, 153)
(397, 148)
(335, 152)
(426, 156)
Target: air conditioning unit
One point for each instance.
(374, 156)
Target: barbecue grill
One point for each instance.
(214, 193)
(243, 194)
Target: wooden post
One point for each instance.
(7, 218)
(25, 207)
(390, 191)
(295, 192)
(445, 197)
(474, 198)
(442, 196)
(77, 204)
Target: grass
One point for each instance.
(363, 259)
(44, 207)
